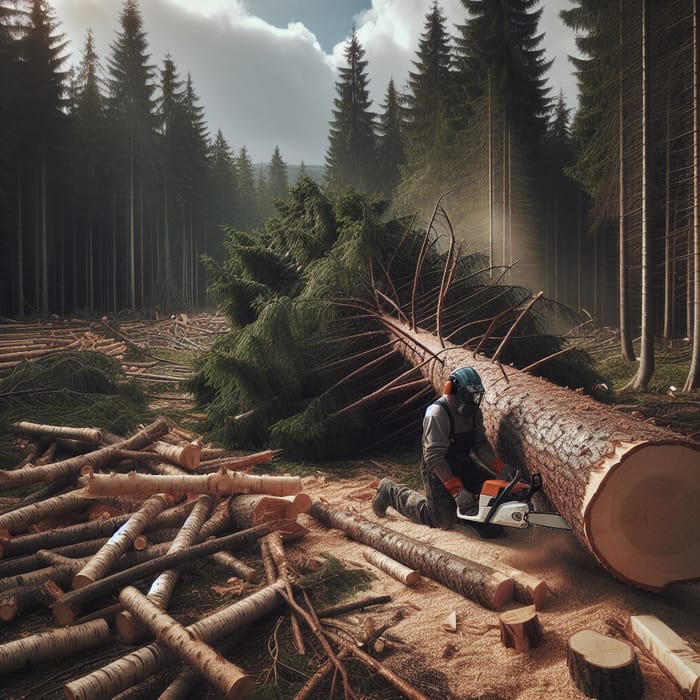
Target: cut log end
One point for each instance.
(603, 667)
(642, 525)
(240, 688)
(503, 594)
(63, 614)
(80, 580)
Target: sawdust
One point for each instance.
(472, 662)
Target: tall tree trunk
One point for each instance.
(490, 176)
(20, 244)
(646, 356)
(693, 379)
(132, 234)
(625, 335)
(44, 256)
(669, 329)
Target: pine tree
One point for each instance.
(351, 157)
(131, 106)
(391, 155)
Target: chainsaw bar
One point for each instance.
(551, 520)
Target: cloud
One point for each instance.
(265, 85)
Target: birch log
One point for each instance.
(162, 588)
(222, 483)
(99, 458)
(475, 581)
(628, 489)
(92, 435)
(120, 541)
(115, 677)
(395, 569)
(51, 646)
(231, 680)
(17, 521)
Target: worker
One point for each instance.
(453, 432)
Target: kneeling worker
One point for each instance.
(453, 430)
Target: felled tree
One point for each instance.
(305, 297)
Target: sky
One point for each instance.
(266, 70)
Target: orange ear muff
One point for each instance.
(448, 387)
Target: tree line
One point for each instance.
(112, 190)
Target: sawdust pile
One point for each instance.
(471, 662)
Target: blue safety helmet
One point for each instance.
(465, 385)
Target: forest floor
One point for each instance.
(466, 663)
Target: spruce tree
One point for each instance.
(248, 211)
(391, 155)
(89, 153)
(352, 155)
(223, 194)
(131, 108)
(43, 84)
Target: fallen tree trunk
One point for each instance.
(89, 530)
(89, 435)
(628, 489)
(162, 588)
(475, 581)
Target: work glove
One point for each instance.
(464, 500)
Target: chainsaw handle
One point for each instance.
(502, 496)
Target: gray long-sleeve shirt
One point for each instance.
(436, 437)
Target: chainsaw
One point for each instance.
(509, 503)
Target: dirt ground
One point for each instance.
(473, 660)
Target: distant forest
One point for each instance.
(112, 189)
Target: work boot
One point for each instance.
(382, 499)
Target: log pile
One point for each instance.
(69, 529)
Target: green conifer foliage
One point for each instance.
(307, 345)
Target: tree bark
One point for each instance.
(120, 541)
(223, 483)
(108, 681)
(50, 646)
(628, 489)
(230, 679)
(475, 581)
(603, 667)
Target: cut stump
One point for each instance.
(603, 667)
(520, 629)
